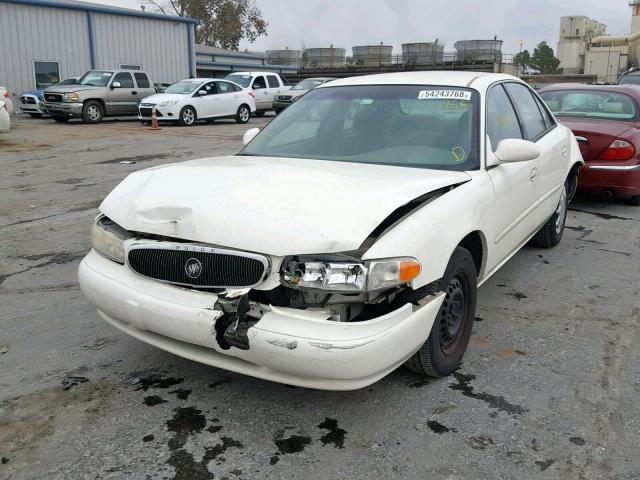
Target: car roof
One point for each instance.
(478, 80)
(254, 73)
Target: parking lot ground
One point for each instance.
(549, 387)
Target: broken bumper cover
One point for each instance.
(297, 347)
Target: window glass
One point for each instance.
(502, 121)
(183, 87)
(273, 81)
(528, 110)
(226, 87)
(548, 119)
(401, 125)
(242, 80)
(630, 79)
(259, 83)
(125, 79)
(308, 84)
(47, 74)
(210, 88)
(142, 80)
(126, 66)
(96, 78)
(591, 103)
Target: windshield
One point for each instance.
(403, 125)
(96, 78)
(590, 103)
(308, 84)
(183, 87)
(242, 80)
(631, 79)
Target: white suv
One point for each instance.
(263, 86)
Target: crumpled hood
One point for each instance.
(276, 206)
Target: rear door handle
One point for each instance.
(582, 139)
(533, 174)
(134, 93)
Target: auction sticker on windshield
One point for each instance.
(444, 94)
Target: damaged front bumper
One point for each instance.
(298, 347)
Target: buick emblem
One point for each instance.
(193, 268)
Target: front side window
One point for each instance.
(142, 80)
(502, 122)
(242, 80)
(210, 88)
(184, 87)
(401, 125)
(46, 74)
(528, 110)
(125, 80)
(591, 103)
(96, 78)
(226, 87)
(259, 83)
(273, 81)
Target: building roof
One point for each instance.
(99, 8)
(222, 52)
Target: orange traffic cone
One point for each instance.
(154, 120)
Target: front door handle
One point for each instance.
(533, 174)
(134, 93)
(582, 139)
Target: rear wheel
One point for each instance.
(60, 119)
(551, 233)
(92, 112)
(187, 117)
(35, 115)
(243, 114)
(442, 353)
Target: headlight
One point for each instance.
(107, 238)
(166, 103)
(70, 97)
(336, 274)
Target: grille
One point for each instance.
(53, 97)
(197, 266)
(284, 97)
(146, 112)
(29, 100)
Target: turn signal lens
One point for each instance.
(409, 270)
(619, 150)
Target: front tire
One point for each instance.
(187, 117)
(243, 114)
(442, 353)
(551, 233)
(92, 112)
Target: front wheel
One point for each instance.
(442, 353)
(243, 114)
(187, 117)
(92, 112)
(551, 233)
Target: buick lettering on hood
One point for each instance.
(347, 238)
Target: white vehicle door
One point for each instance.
(261, 94)
(206, 102)
(539, 127)
(513, 183)
(230, 97)
(273, 84)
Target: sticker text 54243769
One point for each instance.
(444, 95)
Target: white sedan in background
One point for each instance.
(5, 119)
(196, 99)
(346, 238)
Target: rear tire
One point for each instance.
(60, 119)
(442, 353)
(35, 115)
(243, 114)
(187, 117)
(635, 200)
(92, 112)
(551, 233)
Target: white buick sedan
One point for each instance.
(191, 100)
(347, 238)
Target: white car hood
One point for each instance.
(276, 206)
(163, 97)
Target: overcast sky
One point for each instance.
(344, 23)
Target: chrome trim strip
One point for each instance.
(194, 247)
(582, 139)
(616, 168)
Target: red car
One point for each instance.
(606, 122)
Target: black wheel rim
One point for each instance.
(453, 314)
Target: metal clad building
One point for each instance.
(44, 39)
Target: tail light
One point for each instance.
(251, 94)
(5, 94)
(618, 150)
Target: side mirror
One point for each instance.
(516, 150)
(115, 85)
(249, 135)
(202, 93)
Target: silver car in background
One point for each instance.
(283, 100)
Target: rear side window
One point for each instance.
(142, 80)
(502, 122)
(548, 119)
(125, 79)
(532, 121)
(273, 81)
